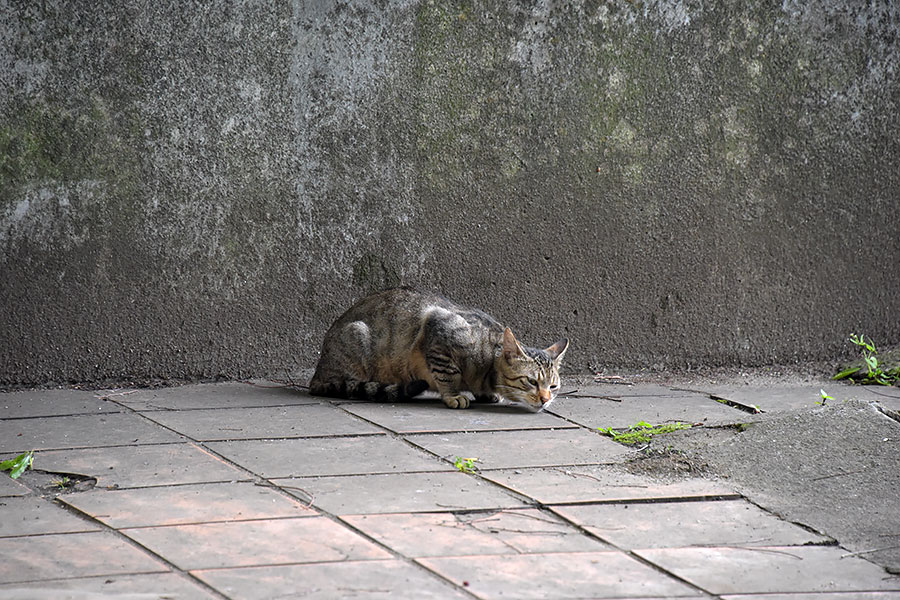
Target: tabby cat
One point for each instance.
(398, 343)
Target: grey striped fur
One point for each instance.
(400, 342)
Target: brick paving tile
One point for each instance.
(32, 515)
(506, 449)
(47, 403)
(312, 420)
(474, 533)
(43, 557)
(398, 492)
(80, 431)
(215, 395)
(158, 586)
(184, 504)
(433, 416)
(10, 487)
(678, 524)
(592, 483)
(138, 466)
(387, 579)
(249, 543)
(558, 576)
(327, 456)
(692, 408)
(772, 570)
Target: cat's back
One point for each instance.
(407, 309)
(404, 303)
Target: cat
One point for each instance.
(396, 344)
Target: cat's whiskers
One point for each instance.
(519, 396)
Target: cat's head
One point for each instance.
(529, 376)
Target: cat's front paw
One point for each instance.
(489, 398)
(457, 401)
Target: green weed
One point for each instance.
(642, 432)
(874, 373)
(466, 465)
(16, 466)
(825, 398)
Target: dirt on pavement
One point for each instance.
(833, 468)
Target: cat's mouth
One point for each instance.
(531, 405)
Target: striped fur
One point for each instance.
(396, 344)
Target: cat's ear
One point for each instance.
(511, 347)
(557, 350)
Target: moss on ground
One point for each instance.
(642, 432)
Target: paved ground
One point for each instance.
(249, 492)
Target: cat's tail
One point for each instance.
(367, 390)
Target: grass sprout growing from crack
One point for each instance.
(16, 466)
(466, 465)
(642, 432)
(825, 398)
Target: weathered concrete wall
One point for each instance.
(199, 189)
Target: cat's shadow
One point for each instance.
(432, 401)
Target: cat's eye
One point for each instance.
(555, 386)
(532, 382)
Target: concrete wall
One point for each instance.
(198, 189)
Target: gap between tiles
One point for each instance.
(283, 490)
(659, 500)
(219, 522)
(122, 537)
(721, 399)
(166, 409)
(530, 503)
(393, 553)
(638, 500)
(310, 501)
(254, 439)
(62, 579)
(829, 541)
(194, 579)
(253, 480)
(74, 414)
(132, 445)
(634, 556)
(441, 460)
(284, 437)
(402, 437)
(449, 511)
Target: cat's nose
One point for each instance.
(544, 396)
